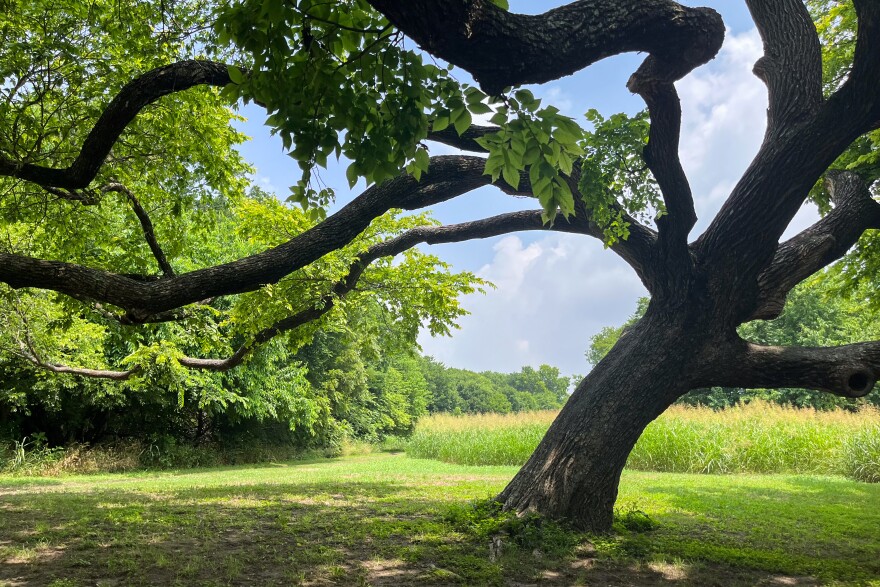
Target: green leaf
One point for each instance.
(462, 121)
(236, 75)
(352, 175)
(511, 175)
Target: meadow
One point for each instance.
(389, 519)
(750, 438)
(395, 518)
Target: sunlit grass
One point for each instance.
(385, 520)
(750, 438)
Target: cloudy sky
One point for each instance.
(553, 292)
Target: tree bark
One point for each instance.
(575, 471)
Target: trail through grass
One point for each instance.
(385, 520)
(753, 438)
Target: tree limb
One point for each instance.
(130, 100)
(82, 372)
(848, 371)
(502, 49)
(742, 239)
(661, 156)
(823, 243)
(146, 225)
(447, 177)
(488, 227)
(792, 62)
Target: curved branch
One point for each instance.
(823, 243)
(447, 177)
(130, 100)
(146, 225)
(661, 156)
(503, 49)
(31, 356)
(848, 371)
(792, 62)
(488, 227)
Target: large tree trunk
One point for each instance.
(574, 472)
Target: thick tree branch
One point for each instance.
(502, 49)
(848, 371)
(792, 62)
(447, 177)
(742, 240)
(146, 225)
(661, 155)
(130, 100)
(489, 227)
(823, 243)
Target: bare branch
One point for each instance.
(130, 100)
(848, 371)
(823, 243)
(82, 372)
(87, 198)
(792, 62)
(146, 225)
(504, 49)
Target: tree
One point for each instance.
(337, 78)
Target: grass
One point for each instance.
(390, 519)
(753, 438)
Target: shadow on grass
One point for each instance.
(824, 527)
(339, 532)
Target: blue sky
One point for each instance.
(553, 292)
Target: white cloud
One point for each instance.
(551, 296)
(724, 111)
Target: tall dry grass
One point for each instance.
(750, 438)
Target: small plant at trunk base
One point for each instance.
(487, 521)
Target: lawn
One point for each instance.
(388, 519)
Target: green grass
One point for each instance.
(395, 520)
(753, 438)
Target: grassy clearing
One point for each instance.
(753, 438)
(390, 519)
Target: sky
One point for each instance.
(554, 291)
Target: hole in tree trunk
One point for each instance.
(858, 382)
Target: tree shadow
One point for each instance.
(820, 526)
(340, 532)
